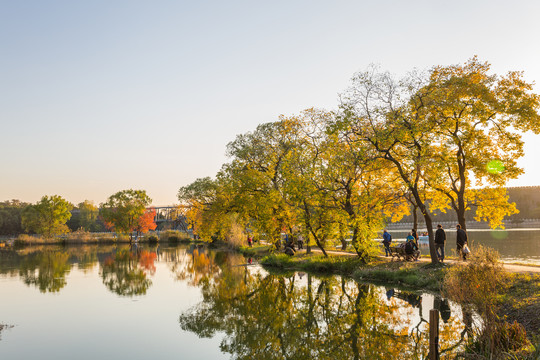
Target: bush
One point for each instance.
(153, 239)
(503, 341)
(480, 283)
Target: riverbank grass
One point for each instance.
(409, 274)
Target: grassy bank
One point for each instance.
(409, 274)
(521, 302)
(87, 238)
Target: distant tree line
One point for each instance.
(51, 215)
(124, 212)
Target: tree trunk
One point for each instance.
(354, 241)
(320, 246)
(343, 244)
(415, 217)
(429, 225)
(460, 212)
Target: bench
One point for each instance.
(399, 253)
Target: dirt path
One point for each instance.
(514, 268)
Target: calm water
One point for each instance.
(192, 303)
(521, 245)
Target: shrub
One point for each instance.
(479, 283)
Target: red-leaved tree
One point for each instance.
(146, 222)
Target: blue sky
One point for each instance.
(100, 96)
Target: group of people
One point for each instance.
(411, 244)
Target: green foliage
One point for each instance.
(10, 217)
(123, 209)
(47, 217)
(86, 217)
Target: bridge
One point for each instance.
(170, 217)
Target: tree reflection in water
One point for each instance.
(266, 316)
(125, 272)
(46, 270)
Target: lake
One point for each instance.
(189, 302)
(514, 245)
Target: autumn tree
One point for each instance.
(303, 185)
(364, 188)
(204, 212)
(146, 222)
(256, 176)
(48, 216)
(476, 120)
(123, 210)
(377, 112)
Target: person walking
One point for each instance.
(461, 241)
(387, 239)
(440, 239)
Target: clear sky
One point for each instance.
(100, 96)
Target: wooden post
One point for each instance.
(434, 334)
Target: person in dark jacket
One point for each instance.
(387, 239)
(461, 241)
(440, 239)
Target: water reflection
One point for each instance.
(45, 270)
(287, 317)
(125, 272)
(259, 314)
